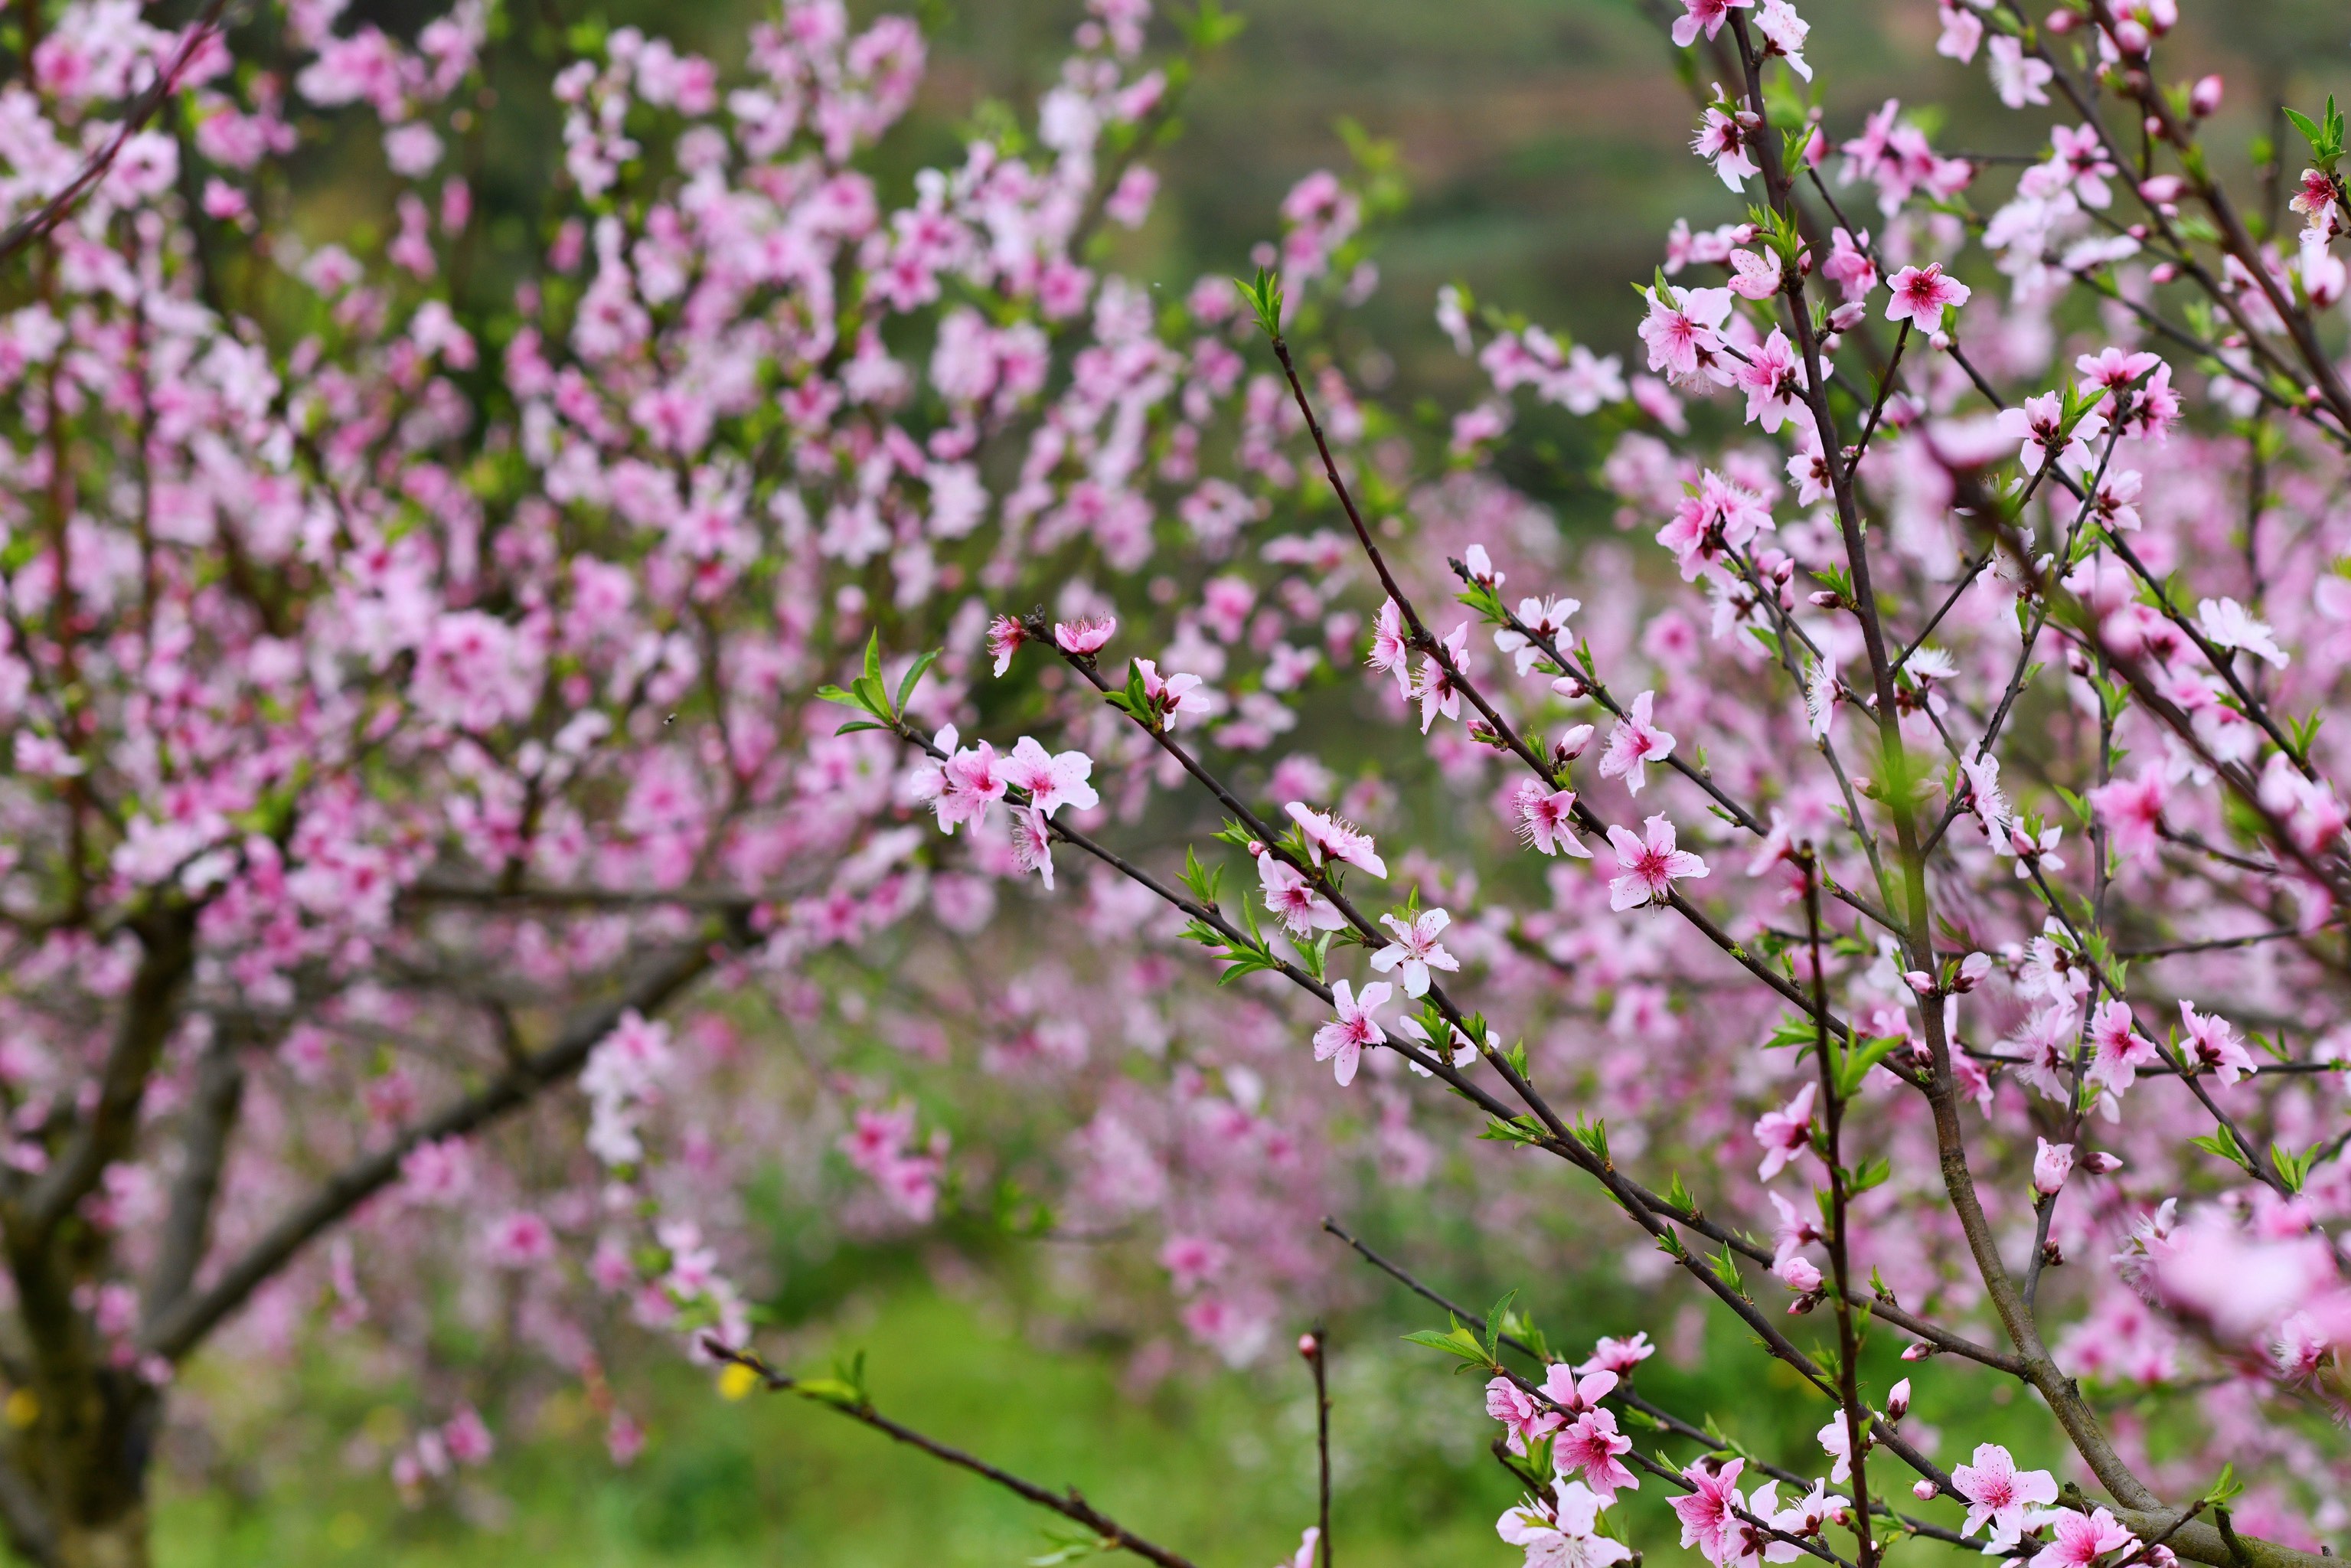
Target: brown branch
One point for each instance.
(178, 1327)
(1069, 1505)
(58, 208)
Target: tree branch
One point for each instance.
(1069, 1504)
(180, 1326)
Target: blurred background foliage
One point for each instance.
(1543, 146)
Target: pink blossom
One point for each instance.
(1434, 683)
(1785, 1133)
(1415, 949)
(1592, 1444)
(1086, 636)
(1706, 1511)
(1032, 842)
(2211, 1042)
(1773, 381)
(1052, 779)
(2117, 1049)
(1849, 266)
(1293, 901)
(1343, 1041)
(1998, 1494)
(1545, 818)
(1335, 836)
(1565, 1534)
(2229, 624)
(1922, 293)
(1617, 1355)
(1635, 743)
(466, 1437)
(1722, 140)
(2080, 1542)
(2132, 811)
(1172, 695)
(520, 1239)
(1647, 867)
(1391, 652)
(1520, 1411)
(1708, 15)
(2020, 78)
(1681, 330)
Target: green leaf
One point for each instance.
(1854, 1063)
(829, 1390)
(1314, 960)
(1460, 1342)
(1204, 881)
(1679, 1195)
(1593, 1136)
(856, 699)
(1726, 1269)
(2223, 1143)
(1873, 1173)
(914, 677)
(1264, 296)
(1494, 1316)
(1521, 1130)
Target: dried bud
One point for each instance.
(2051, 1255)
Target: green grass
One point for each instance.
(1217, 1466)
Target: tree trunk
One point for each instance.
(118, 1542)
(85, 1461)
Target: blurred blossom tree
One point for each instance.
(495, 772)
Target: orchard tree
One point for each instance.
(478, 715)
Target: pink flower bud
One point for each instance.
(2051, 1165)
(1570, 687)
(1918, 1351)
(1309, 1346)
(1799, 1274)
(1897, 1401)
(2101, 1163)
(2059, 21)
(1923, 1490)
(2131, 38)
(2162, 188)
(2204, 98)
